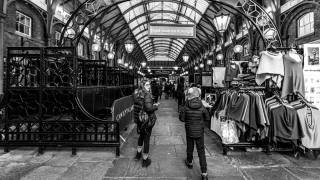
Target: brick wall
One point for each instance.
(289, 29)
(11, 39)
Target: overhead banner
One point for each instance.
(122, 111)
(172, 30)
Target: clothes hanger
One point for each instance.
(271, 47)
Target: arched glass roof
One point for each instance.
(139, 13)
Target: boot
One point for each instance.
(138, 156)
(204, 176)
(146, 162)
(189, 165)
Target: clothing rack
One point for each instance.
(299, 50)
(262, 144)
(265, 144)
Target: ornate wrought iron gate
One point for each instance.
(41, 108)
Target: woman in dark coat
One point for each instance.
(143, 98)
(194, 114)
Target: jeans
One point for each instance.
(200, 149)
(144, 139)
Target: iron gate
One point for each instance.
(41, 108)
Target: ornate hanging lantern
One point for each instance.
(70, 33)
(96, 47)
(111, 55)
(143, 64)
(238, 48)
(221, 22)
(129, 45)
(185, 57)
(120, 61)
(220, 57)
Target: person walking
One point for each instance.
(143, 104)
(194, 114)
(160, 89)
(155, 91)
(180, 92)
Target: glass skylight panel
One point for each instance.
(170, 6)
(141, 20)
(202, 5)
(136, 31)
(143, 39)
(138, 10)
(124, 6)
(133, 24)
(152, 6)
(140, 31)
(144, 43)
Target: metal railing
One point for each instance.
(41, 107)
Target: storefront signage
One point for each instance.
(122, 111)
(172, 30)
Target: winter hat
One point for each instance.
(193, 93)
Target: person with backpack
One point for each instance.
(194, 114)
(145, 117)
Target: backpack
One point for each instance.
(140, 116)
(143, 120)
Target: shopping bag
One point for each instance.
(229, 132)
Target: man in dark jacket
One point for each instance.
(194, 115)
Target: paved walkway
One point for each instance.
(168, 150)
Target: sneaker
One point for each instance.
(138, 156)
(146, 162)
(189, 165)
(204, 177)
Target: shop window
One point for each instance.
(80, 49)
(306, 24)
(23, 24)
(57, 36)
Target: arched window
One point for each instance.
(306, 24)
(23, 24)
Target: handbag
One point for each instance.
(229, 132)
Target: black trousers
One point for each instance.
(155, 99)
(200, 149)
(144, 140)
(180, 100)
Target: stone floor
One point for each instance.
(168, 146)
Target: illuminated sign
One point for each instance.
(172, 30)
